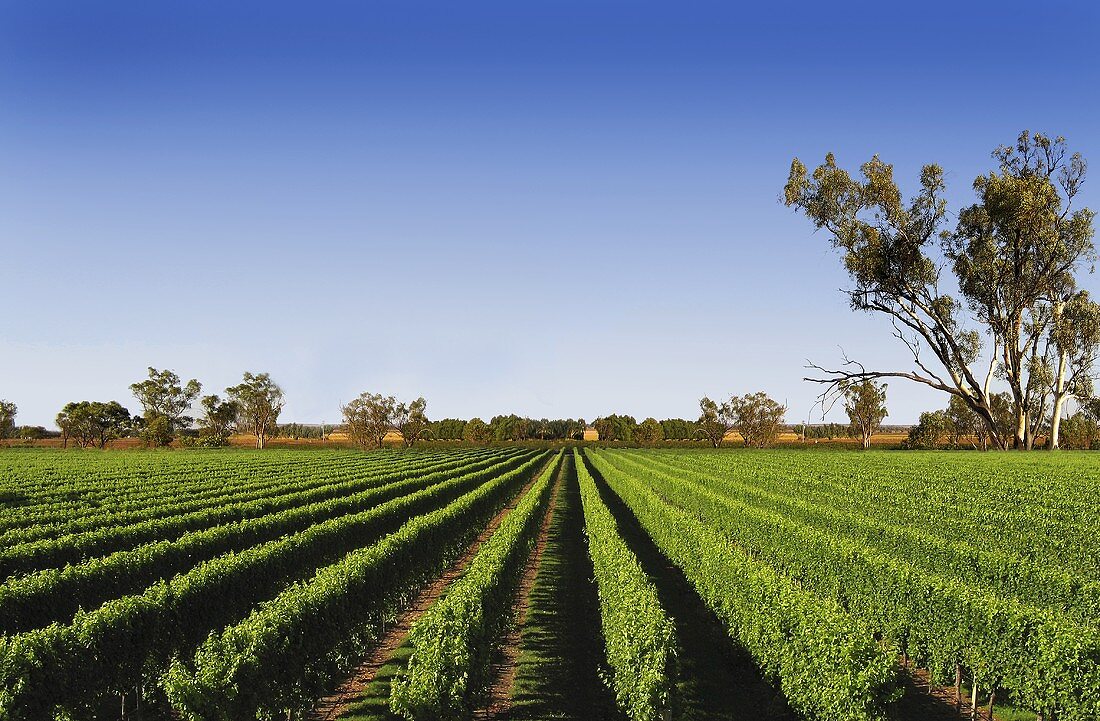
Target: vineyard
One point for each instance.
(531, 583)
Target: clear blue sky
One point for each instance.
(547, 208)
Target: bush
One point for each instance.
(157, 432)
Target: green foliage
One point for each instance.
(31, 433)
(165, 402)
(615, 428)
(258, 401)
(477, 431)
(649, 432)
(927, 433)
(7, 418)
(453, 642)
(218, 417)
(448, 429)
(639, 637)
(509, 428)
(715, 420)
(678, 429)
(1080, 431)
(156, 431)
(865, 404)
(128, 558)
(92, 423)
(410, 420)
(369, 417)
(759, 419)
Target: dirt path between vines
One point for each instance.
(498, 697)
(937, 704)
(332, 706)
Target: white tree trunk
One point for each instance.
(1059, 402)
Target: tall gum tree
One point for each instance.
(259, 401)
(1013, 255)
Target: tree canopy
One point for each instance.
(715, 420)
(1014, 256)
(865, 404)
(7, 418)
(163, 395)
(259, 401)
(94, 423)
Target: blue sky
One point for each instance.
(553, 209)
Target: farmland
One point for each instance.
(529, 583)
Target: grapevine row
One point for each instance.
(294, 648)
(827, 663)
(55, 594)
(452, 643)
(639, 636)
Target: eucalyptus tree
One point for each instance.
(94, 423)
(218, 419)
(1014, 256)
(369, 417)
(865, 404)
(615, 427)
(477, 431)
(715, 420)
(164, 396)
(7, 418)
(649, 432)
(259, 402)
(410, 420)
(1071, 354)
(758, 418)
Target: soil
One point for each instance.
(498, 701)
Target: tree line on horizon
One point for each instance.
(253, 407)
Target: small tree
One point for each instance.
(1080, 431)
(865, 404)
(155, 431)
(1075, 341)
(93, 423)
(510, 428)
(31, 433)
(7, 418)
(477, 431)
(162, 395)
(410, 421)
(217, 420)
(715, 420)
(960, 421)
(926, 434)
(758, 418)
(259, 402)
(649, 432)
(369, 418)
(678, 429)
(615, 428)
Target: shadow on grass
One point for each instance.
(561, 650)
(373, 704)
(717, 679)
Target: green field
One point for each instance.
(527, 583)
